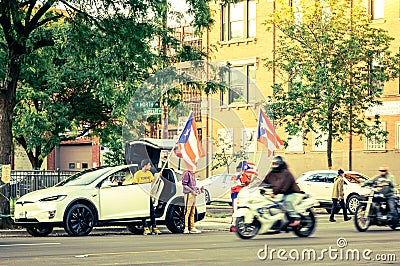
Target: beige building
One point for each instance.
(242, 40)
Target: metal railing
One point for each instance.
(23, 182)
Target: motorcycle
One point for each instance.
(373, 210)
(258, 213)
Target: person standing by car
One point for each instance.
(144, 175)
(385, 182)
(283, 182)
(338, 197)
(238, 181)
(190, 192)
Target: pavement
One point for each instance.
(218, 218)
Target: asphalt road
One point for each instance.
(331, 244)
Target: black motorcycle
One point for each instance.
(373, 210)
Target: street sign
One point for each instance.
(146, 104)
(152, 111)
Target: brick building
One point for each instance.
(242, 40)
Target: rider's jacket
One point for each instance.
(382, 183)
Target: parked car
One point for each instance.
(104, 196)
(319, 184)
(218, 188)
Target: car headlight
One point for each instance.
(54, 198)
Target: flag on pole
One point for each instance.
(189, 146)
(249, 168)
(267, 134)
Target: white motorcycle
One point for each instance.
(258, 213)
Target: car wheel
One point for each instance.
(79, 220)
(136, 229)
(175, 219)
(352, 203)
(207, 196)
(39, 230)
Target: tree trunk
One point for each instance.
(329, 145)
(7, 103)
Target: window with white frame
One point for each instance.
(224, 142)
(326, 10)
(297, 11)
(376, 9)
(238, 20)
(295, 143)
(320, 141)
(376, 144)
(240, 80)
(397, 135)
(249, 139)
(376, 67)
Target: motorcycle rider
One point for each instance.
(283, 182)
(385, 184)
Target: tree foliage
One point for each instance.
(226, 155)
(331, 65)
(70, 62)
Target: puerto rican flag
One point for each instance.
(249, 168)
(189, 146)
(267, 134)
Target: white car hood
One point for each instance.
(48, 192)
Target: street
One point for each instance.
(331, 244)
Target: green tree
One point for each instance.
(226, 154)
(332, 65)
(102, 49)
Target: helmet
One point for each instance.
(277, 164)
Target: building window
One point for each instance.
(376, 9)
(375, 68)
(241, 87)
(295, 143)
(320, 141)
(224, 142)
(376, 144)
(238, 20)
(297, 11)
(85, 165)
(249, 139)
(397, 136)
(71, 165)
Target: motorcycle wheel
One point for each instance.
(245, 230)
(306, 226)
(361, 219)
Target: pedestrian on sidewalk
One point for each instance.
(190, 192)
(338, 197)
(144, 175)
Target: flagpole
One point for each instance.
(176, 143)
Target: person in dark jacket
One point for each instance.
(384, 182)
(283, 182)
(338, 197)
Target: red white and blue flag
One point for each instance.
(267, 134)
(249, 168)
(189, 146)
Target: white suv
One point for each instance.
(319, 185)
(105, 196)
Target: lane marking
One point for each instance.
(39, 244)
(138, 252)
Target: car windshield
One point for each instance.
(83, 178)
(355, 178)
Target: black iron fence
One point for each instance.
(23, 182)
